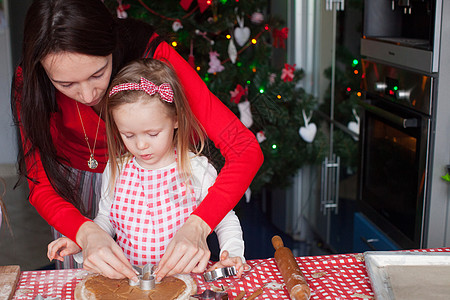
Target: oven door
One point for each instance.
(393, 169)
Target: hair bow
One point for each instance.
(164, 90)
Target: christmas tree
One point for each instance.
(230, 43)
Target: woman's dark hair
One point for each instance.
(52, 26)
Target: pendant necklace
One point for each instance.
(92, 162)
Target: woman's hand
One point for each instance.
(188, 251)
(227, 261)
(62, 247)
(101, 254)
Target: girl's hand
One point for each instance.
(62, 247)
(226, 261)
(188, 251)
(102, 255)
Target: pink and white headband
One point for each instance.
(164, 90)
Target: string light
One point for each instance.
(356, 72)
(261, 90)
(254, 70)
(266, 27)
(248, 81)
(349, 89)
(279, 96)
(174, 44)
(253, 41)
(239, 64)
(208, 2)
(358, 94)
(274, 146)
(228, 36)
(355, 62)
(223, 1)
(198, 68)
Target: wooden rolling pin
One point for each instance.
(293, 278)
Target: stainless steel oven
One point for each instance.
(403, 32)
(396, 136)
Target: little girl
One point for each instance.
(159, 177)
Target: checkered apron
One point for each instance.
(89, 184)
(149, 207)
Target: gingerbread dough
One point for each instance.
(97, 287)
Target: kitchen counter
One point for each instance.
(340, 276)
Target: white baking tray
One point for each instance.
(380, 267)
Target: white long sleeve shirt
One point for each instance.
(229, 231)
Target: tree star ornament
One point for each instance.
(308, 132)
(241, 33)
(287, 74)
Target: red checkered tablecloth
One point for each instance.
(329, 277)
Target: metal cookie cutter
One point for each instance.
(208, 294)
(219, 273)
(40, 297)
(146, 278)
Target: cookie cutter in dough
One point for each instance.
(219, 273)
(40, 297)
(208, 294)
(146, 277)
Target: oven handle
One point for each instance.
(402, 122)
(369, 243)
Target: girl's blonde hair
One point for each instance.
(189, 136)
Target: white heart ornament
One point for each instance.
(241, 35)
(353, 126)
(308, 132)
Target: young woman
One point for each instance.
(71, 49)
(156, 175)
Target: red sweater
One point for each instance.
(238, 145)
